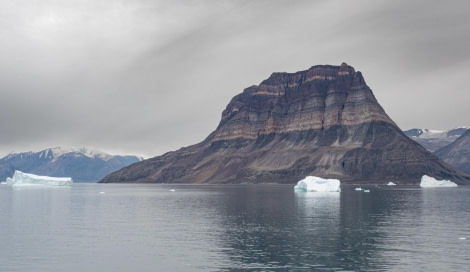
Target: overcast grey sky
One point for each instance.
(150, 76)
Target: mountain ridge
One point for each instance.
(433, 140)
(457, 153)
(82, 164)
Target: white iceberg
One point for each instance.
(391, 184)
(430, 182)
(25, 179)
(316, 184)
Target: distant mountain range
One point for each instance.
(452, 146)
(433, 140)
(457, 153)
(82, 164)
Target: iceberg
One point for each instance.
(430, 182)
(391, 184)
(317, 184)
(24, 179)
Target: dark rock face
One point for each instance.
(457, 153)
(324, 121)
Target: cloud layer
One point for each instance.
(146, 77)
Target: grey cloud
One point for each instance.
(148, 77)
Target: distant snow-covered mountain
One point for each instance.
(433, 140)
(82, 164)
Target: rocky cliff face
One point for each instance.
(324, 121)
(457, 153)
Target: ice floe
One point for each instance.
(25, 179)
(317, 184)
(430, 182)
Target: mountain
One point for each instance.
(82, 164)
(433, 140)
(324, 121)
(457, 153)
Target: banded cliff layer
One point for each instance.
(324, 121)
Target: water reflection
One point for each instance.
(279, 230)
(426, 235)
(318, 229)
(36, 217)
(273, 228)
(233, 228)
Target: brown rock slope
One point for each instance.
(324, 121)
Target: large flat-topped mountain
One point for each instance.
(316, 99)
(324, 121)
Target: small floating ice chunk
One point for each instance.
(358, 189)
(102, 193)
(172, 190)
(25, 179)
(317, 184)
(462, 238)
(366, 191)
(391, 184)
(430, 182)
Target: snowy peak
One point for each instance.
(94, 154)
(457, 132)
(20, 155)
(425, 133)
(55, 152)
(433, 140)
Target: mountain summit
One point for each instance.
(324, 121)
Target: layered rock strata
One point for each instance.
(324, 121)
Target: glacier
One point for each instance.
(430, 182)
(25, 179)
(317, 184)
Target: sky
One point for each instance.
(146, 77)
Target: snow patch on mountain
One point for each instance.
(425, 133)
(91, 153)
(432, 139)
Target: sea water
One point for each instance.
(112, 227)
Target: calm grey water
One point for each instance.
(105, 227)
